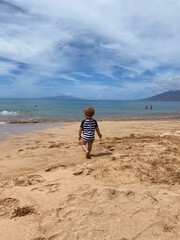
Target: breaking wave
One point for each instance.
(3, 123)
(8, 113)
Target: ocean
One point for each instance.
(20, 115)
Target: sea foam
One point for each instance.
(2, 123)
(8, 113)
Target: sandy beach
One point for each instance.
(128, 190)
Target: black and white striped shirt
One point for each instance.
(88, 126)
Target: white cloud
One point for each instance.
(78, 39)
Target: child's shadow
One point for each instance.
(101, 154)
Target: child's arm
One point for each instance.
(98, 132)
(80, 131)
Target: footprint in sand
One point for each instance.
(49, 188)
(67, 213)
(52, 168)
(22, 211)
(85, 170)
(55, 145)
(101, 195)
(7, 205)
(28, 180)
(53, 237)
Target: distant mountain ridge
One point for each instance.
(166, 96)
(62, 97)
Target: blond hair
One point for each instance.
(89, 111)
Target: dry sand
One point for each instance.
(129, 190)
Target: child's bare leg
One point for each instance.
(83, 144)
(86, 148)
(90, 146)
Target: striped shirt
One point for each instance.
(88, 126)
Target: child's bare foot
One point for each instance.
(88, 155)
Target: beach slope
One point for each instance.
(128, 190)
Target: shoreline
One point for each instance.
(51, 121)
(21, 128)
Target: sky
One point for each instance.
(90, 49)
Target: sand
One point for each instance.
(128, 190)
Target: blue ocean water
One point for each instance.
(51, 110)
(19, 115)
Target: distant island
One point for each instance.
(62, 97)
(166, 96)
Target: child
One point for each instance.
(88, 127)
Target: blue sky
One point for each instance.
(95, 49)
